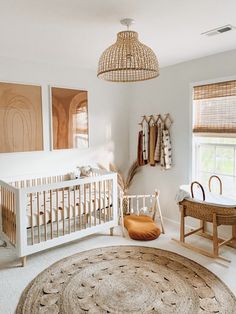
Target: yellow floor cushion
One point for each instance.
(141, 228)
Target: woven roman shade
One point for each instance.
(215, 108)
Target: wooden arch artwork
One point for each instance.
(21, 127)
(69, 118)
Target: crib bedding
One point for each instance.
(64, 211)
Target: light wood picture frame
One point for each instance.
(69, 110)
(21, 125)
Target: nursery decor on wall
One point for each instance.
(21, 127)
(69, 118)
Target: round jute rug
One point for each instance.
(126, 279)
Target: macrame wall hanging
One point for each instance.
(154, 144)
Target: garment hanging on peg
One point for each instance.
(140, 148)
(166, 152)
(157, 154)
(145, 126)
(152, 141)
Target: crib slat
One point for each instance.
(45, 215)
(3, 209)
(57, 211)
(100, 200)
(31, 218)
(68, 201)
(7, 213)
(63, 211)
(90, 201)
(51, 222)
(85, 206)
(80, 205)
(108, 201)
(74, 208)
(95, 204)
(12, 215)
(38, 216)
(14, 205)
(104, 200)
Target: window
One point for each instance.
(214, 134)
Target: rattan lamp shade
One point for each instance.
(128, 60)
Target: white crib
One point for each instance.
(40, 213)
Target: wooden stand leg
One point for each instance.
(111, 231)
(203, 225)
(234, 232)
(182, 227)
(23, 261)
(215, 236)
(160, 214)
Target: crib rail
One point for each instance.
(30, 182)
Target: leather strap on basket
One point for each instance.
(220, 182)
(199, 184)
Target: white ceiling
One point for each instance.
(75, 32)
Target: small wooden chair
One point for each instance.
(139, 214)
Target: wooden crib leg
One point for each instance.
(23, 261)
(111, 231)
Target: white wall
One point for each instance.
(171, 93)
(108, 125)
(114, 113)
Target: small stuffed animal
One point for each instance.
(85, 171)
(75, 174)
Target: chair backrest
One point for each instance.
(141, 204)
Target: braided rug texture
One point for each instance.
(126, 279)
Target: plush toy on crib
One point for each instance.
(79, 172)
(85, 171)
(75, 174)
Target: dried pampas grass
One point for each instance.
(123, 183)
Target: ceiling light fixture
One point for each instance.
(128, 60)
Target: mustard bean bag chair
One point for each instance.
(141, 228)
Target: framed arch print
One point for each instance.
(21, 126)
(69, 109)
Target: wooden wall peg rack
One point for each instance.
(157, 119)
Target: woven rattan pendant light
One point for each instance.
(128, 60)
